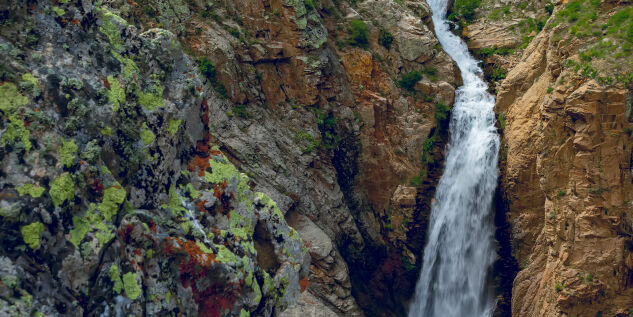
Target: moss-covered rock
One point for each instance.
(31, 234)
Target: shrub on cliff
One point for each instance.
(358, 34)
(207, 68)
(464, 9)
(408, 80)
(385, 39)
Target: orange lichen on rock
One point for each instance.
(303, 284)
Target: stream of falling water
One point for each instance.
(460, 247)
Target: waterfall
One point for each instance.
(460, 248)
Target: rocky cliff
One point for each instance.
(564, 99)
(217, 157)
(279, 157)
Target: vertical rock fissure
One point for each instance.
(460, 250)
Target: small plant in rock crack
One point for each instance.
(385, 39)
(358, 34)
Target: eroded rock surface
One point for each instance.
(120, 115)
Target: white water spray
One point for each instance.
(460, 248)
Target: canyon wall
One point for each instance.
(564, 99)
(218, 157)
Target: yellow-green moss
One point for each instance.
(147, 135)
(113, 197)
(82, 225)
(175, 203)
(173, 126)
(153, 99)
(132, 290)
(68, 152)
(268, 202)
(62, 189)
(225, 255)
(193, 193)
(10, 98)
(59, 10)
(110, 28)
(116, 94)
(115, 277)
(30, 189)
(106, 131)
(16, 130)
(220, 172)
(104, 232)
(129, 66)
(258, 293)
(28, 77)
(31, 234)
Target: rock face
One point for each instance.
(113, 201)
(566, 181)
(155, 155)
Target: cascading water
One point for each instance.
(460, 249)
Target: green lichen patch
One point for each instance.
(147, 135)
(258, 293)
(113, 197)
(153, 99)
(92, 221)
(268, 202)
(30, 84)
(115, 277)
(30, 189)
(106, 131)
(28, 77)
(91, 152)
(132, 290)
(173, 126)
(68, 152)
(177, 210)
(225, 255)
(110, 28)
(59, 10)
(62, 189)
(193, 193)
(16, 131)
(10, 98)
(31, 234)
(130, 69)
(220, 172)
(116, 94)
(82, 226)
(175, 203)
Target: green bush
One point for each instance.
(385, 39)
(497, 73)
(309, 4)
(499, 13)
(240, 111)
(558, 287)
(220, 89)
(235, 33)
(441, 112)
(359, 36)
(549, 8)
(430, 72)
(207, 68)
(465, 9)
(408, 80)
(487, 51)
(502, 121)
